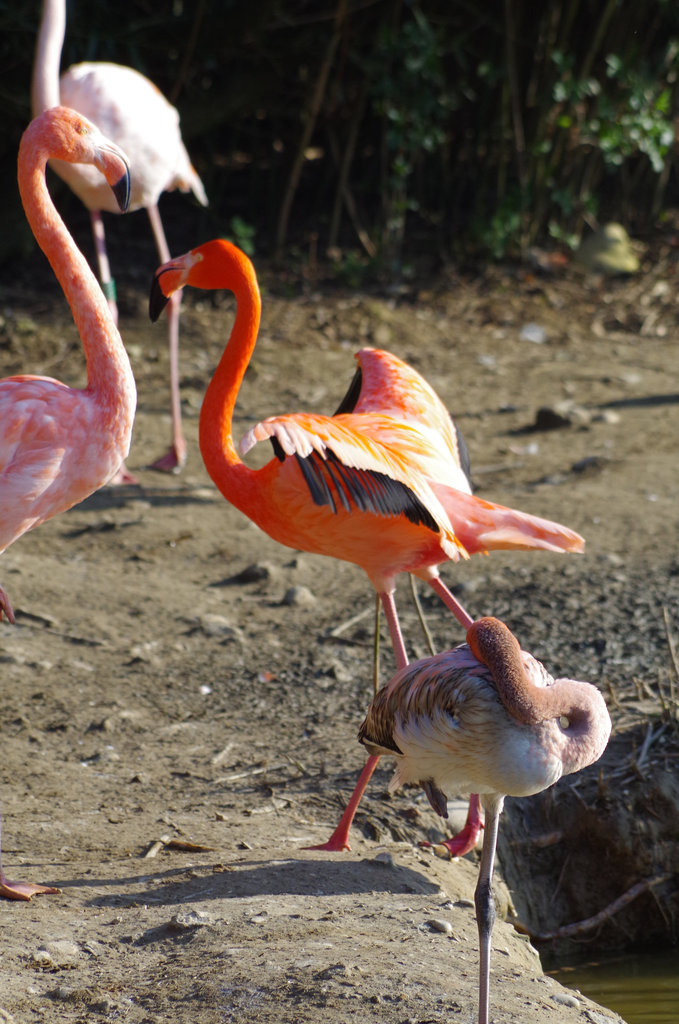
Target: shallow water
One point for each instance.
(643, 989)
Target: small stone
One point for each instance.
(384, 859)
(565, 999)
(299, 597)
(185, 920)
(533, 333)
(439, 924)
(218, 626)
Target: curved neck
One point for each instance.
(108, 368)
(216, 416)
(47, 60)
(496, 646)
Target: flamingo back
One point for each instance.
(131, 111)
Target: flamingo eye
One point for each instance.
(565, 722)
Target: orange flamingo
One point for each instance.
(487, 717)
(370, 486)
(130, 110)
(59, 444)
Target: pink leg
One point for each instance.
(467, 839)
(175, 457)
(108, 286)
(463, 617)
(107, 283)
(21, 890)
(6, 606)
(339, 840)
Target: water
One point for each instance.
(643, 989)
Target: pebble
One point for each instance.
(439, 924)
(565, 999)
(217, 626)
(534, 333)
(184, 920)
(299, 597)
(58, 954)
(384, 859)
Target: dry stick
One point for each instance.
(188, 52)
(344, 194)
(309, 124)
(420, 614)
(515, 103)
(673, 651)
(580, 927)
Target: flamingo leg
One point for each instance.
(175, 457)
(6, 606)
(484, 903)
(451, 602)
(339, 840)
(21, 890)
(108, 286)
(467, 838)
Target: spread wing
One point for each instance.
(375, 468)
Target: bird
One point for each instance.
(132, 112)
(487, 717)
(60, 444)
(378, 484)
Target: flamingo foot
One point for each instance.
(23, 890)
(173, 461)
(339, 840)
(122, 477)
(337, 843)
(6, 606)
(467, 838)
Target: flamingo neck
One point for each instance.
(216, 416)
(47, 60)
(109, 374)
(588, 722)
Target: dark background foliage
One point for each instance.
(375, 136)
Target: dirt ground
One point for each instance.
(181, 696)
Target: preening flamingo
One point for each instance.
(129, 109)
(485, 717)
(59, 444)
(378, 484)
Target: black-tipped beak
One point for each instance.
(157, 301)
(121, 190)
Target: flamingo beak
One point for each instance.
(121, 190)
(158, 300)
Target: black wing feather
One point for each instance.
(348, 403)
(368, 490)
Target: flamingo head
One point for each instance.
(215, 264)
(73, 138)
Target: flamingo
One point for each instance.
(59, 444)
(130, 110)
(378, 484)
(487, 717)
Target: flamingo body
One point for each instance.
(487, 718)
(129, 109)
(60, 444)
(444, 720)
(108, 94)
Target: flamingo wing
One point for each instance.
(370, 462)
(383, 383)
(53, 452)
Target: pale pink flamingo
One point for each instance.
(129, 109)
(59, 444)
(485, 717)
(380, 485)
